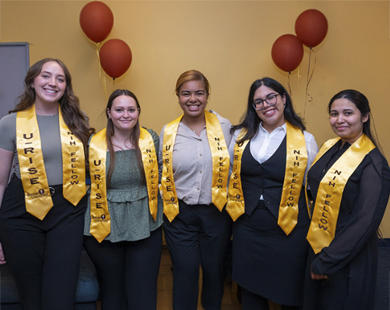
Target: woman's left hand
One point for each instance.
(2, 257)
(318, 276)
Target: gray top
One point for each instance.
(127, 199)
(49, 130)
(192, 162)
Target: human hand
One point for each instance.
(318, 276)
(2, 257)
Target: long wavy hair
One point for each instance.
(361, 102)
(133, 136)
(250, 120)
(73, 117)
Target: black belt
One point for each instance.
(56, 189)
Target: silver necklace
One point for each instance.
(116, 144)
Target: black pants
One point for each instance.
(127, 271)
(198, 236)
(44, 256)
(251, 301)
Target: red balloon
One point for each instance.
(287, 52)
(311, 27)
(115, 57)
(96, 20)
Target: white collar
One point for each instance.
(283, 127)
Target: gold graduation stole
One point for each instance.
(149, 159)
(220, 158)
(32, 168)
(330, 191)
(100, 217)
(296, 161)
(236, 204)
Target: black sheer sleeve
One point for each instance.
(361, 221)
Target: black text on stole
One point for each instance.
(327, 203)
(152, 175)
(220, 162)
(73, 160)
(97, 182)
(167, 164)
(293, 181)
(29, 149)
(237, 156)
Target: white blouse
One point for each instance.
(264, 144)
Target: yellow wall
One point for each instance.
(229, 41)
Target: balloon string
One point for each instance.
(102, 77)
(311, 75)
(289, 84)
(308, 97)
(299, 75)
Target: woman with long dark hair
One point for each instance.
(269, 152)
(123, 221)
(42, 208)
(350, 185)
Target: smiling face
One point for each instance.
(124, 113)
(50, 84)
(192, 99)
(346, 120)
(271, 115)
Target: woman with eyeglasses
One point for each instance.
(350, 184)
(269, 153)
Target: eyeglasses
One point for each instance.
(271, 99)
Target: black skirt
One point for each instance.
(266, 261)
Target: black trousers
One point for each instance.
(251, 301)
(127, 271)
(198, 236)
(44, 256)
